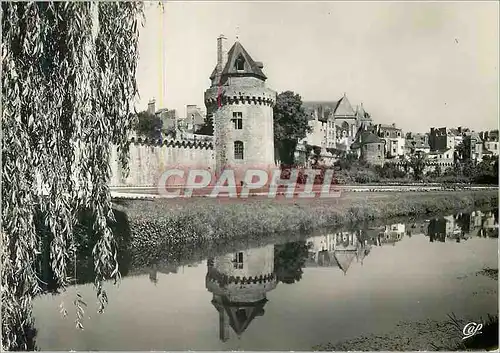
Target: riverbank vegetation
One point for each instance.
(207, 220)
(351, 171)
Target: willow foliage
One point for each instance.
(68, 82)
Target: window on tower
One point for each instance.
(238, 260)
(238, 150)
(237, 120)
(240, 63)
(241, 315)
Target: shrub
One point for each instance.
(365, 176)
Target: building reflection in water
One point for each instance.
(164, 268)
(239, 283)
(392, 234)
(386, 235)
(463, 226)
(414, 228)
(337, 250)
(490, 224)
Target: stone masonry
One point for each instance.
(241, 94)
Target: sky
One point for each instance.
(415, 64)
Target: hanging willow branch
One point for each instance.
(68, 81)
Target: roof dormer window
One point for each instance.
(240, 63)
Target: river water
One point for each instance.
(331, 286)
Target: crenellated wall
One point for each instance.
(149, 159)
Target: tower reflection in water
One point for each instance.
(239, 283)
(337, 250)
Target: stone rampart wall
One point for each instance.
(149, 159)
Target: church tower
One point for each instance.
(239, 283)
(241, 109)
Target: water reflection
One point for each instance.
(239, 278)
(239, 283)
(462, 226)
(337, 250)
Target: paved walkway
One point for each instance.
(152, 192)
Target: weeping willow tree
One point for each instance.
(68, 83)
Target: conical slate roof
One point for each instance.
(365, 137)
(361, 113)
(214, 73)
(241, 314)
(250, 66)
(361, 254)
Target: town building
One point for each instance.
(441, 139)
(334, 125)
(321, 120)
(239, 283)
(394, 140)
(241, 107)
(168, 117)
(473, 147)
(490, 141)
(416, 142)
(443, 158)
(347, 122)
(171, 122)
(369, 147)
(364, 119)
(193, 121)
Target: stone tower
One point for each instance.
(241, 108)
(239, 283)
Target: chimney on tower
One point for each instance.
(221, 53)
(223, 325)
(151, 106)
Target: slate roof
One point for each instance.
(416, 143)
(440, 151)
(361, 253)
(250, 66)
(338, 108)
(388, 127)
(361, 113)
(473, 135)
(241, 314)
(366, 137)
(344, 258)
(324, 109)
(214, 73)
(344, 108)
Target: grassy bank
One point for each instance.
(203, 220)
